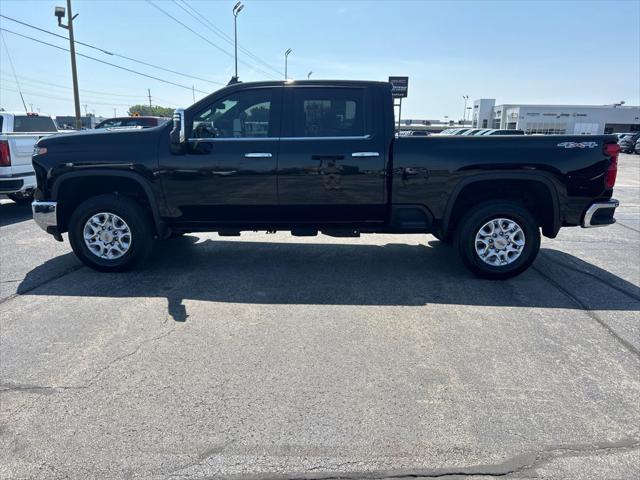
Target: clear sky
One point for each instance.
(566, 52)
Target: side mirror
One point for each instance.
(177, 135)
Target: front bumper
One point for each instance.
(600, 214)
(45, 215)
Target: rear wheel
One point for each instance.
(111, 233)
(21, 197)
(498, 240)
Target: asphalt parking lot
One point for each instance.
(274, 356)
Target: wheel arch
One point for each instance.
(119, 183)
(538, 181)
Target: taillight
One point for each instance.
(5, 156)
(612, 150)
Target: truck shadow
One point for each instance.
(11, 213)
(339, 274)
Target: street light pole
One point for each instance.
(236, 10)
(309, 75)
(464, 112)
(59, 12)
(286, 56)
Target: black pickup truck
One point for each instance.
(317, 156)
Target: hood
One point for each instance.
(101, 137)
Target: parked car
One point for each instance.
(317, 156)
(637, 147)
(628, 142)
(472, 131)
(19, 133)
(623, 135)
(414, 133)
(454, 131)
(132, 122)
(505, 131)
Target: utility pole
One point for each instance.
(149, 90)
(193, 92)
(286, 57)
(85, 110)
(59, 12)
(115, 112)
(31, 107)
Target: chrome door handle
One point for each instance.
(258, 155)
(365, 154)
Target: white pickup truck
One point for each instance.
(19, 133)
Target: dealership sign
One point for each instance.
(399, 86)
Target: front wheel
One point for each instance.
(111, 233)
(498, 240)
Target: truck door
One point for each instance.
(228, 174)
(331, 162)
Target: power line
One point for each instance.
(91, 97)
(102, 61)
(205, 38)
(57, 85)
(49, 96)
(6, 47)
(220, 33)
(107, 52)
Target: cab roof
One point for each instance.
(305, 83)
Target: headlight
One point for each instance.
(39, 150)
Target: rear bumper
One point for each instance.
(17, 182)
(45, 215)
(600, 214)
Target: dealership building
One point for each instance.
(556, 119)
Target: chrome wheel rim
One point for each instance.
(500, 242)
(107, 236)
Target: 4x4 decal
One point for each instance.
(578, 144)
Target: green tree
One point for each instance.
(147, 111)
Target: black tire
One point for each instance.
(21, 198)
(446, 239)
(479, 216)
(137, 219)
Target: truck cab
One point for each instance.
(313, 154)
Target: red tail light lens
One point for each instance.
(611, 150)
(5, 156)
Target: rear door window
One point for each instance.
(330, 112)
(29, 123)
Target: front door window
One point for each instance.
(243, 114)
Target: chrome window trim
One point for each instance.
(353, 137)
(238, 139)
(231, 139)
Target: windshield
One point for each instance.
(32, 123)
